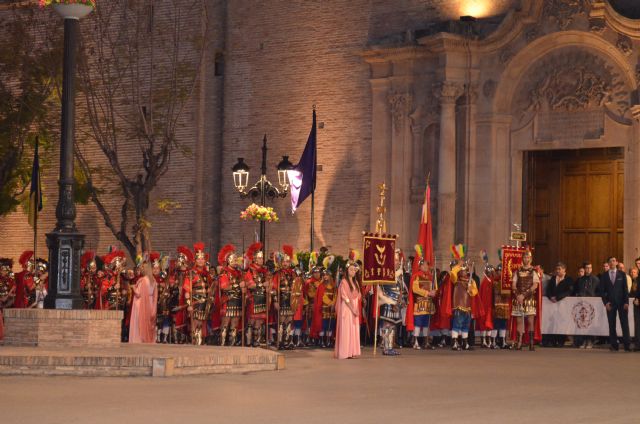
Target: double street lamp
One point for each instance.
(263, 188)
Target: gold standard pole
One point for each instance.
(381, 228)
(376, 312)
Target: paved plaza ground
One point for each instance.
(546, 386)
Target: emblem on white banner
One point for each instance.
(583, 314)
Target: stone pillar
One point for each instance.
(631, 221)
(447, 92)
(380, 143)
(466, 162)
(401, 165)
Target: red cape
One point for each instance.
(20, 300)
(442, 318)
(485, 296)
(316, 322)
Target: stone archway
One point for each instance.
(568, 90)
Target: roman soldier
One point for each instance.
(163, 314)
(88, 282)
(485, 326)
(197, 295)
(524, 306)
(180, 282)
(24, 279)
(324, 305)
(259, 288)
(37, 294)
(283, 280)
(390, 299)
(423, 290)
(110, 294)
(310, 295)
(203, 290)
(297, 303)
(501, 311)
(7, 289)
(464, 291)
(232, 289)
(7, 283)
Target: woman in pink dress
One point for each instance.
(143, 308)
(348, 307)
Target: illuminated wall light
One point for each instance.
(475, 8)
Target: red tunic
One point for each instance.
(486, 298)
(24, 280)
(442, 319)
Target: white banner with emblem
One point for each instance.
(582, 316)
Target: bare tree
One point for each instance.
(138, 71)
(30, 67)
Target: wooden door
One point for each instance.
(575, 206)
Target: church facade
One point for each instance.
(524, 112)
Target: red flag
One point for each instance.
(425, 240)
(425, 232)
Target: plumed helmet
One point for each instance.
(6, 264)
(185, 256)
(25, 258)
(254, 251)
(287, 251)
(227, 255)
(154, 258)
(198, 250)
(88, 261)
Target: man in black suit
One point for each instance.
(615, 295)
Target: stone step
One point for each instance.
(137, 360)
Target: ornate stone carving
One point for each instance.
(624, 44)
(597, 25)
(489, 88)
(563, 11)
(570, 89)
(400, 105)
(531, 34)
(505, 56)
(448, 91)
(569, 81)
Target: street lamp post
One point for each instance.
(65, 242)
(263, 188)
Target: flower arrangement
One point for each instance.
(259, 213)
(44, 3)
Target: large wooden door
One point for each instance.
(574, 206)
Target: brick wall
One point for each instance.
(281, 57)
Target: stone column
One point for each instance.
(447, 92)
(380, 143)
(466, 166)
(631, 198)
(401, 152)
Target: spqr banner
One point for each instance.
(378, 258)
(511, 261)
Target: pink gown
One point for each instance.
(143, 312)
(347, 324)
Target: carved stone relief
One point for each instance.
(571, 81)
(448, 91)
(563, 11)
(531, 34)
(597, 25)
(489, 88)
(624, 44)
(505, 56)
(400, 105)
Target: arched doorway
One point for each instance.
(570, 137)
